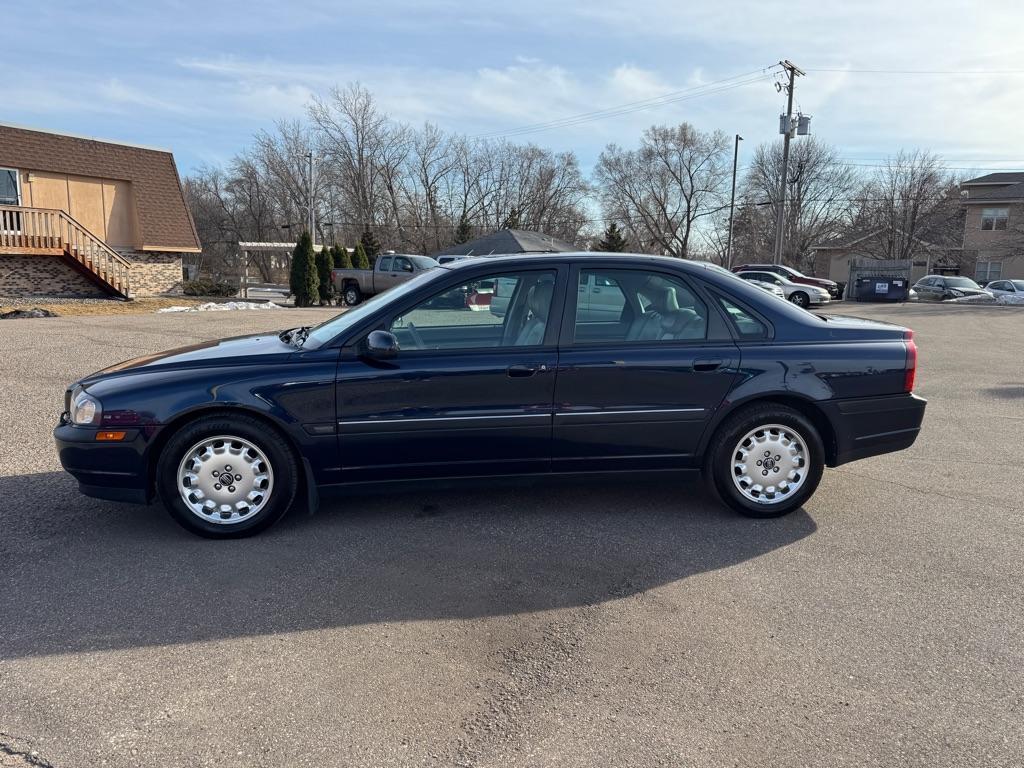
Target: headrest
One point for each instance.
(539, 299)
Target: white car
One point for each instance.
(1006, 288)
(800, 294)
(772, 288)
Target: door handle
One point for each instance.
(706, 364)
(525, 370)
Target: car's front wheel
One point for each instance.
(800, 298)
(766, 460)
(227, 476)
(352, 295)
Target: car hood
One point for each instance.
(237, 350)
(820, 282)
(968, 291)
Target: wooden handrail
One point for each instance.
(50, 229)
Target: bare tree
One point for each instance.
(661, 190)
(909, 203)
(819, 203)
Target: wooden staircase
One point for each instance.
(51, 232)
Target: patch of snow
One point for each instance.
(227, 306)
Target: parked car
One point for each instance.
(801, 294)
(1005, 288)
(697, 370)
(772, 288)
(945, 287)
(353, 285)
(794, 276)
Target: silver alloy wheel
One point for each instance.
(800, 298)
(351, 296)
(225, 479)
(770, 463)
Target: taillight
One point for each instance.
(911, 370)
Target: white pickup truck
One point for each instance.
(390, 270)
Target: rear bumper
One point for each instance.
(105, 470)
(870, 426)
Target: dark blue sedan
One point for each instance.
(524, 365)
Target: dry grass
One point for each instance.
(102, 307)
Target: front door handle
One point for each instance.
(525, 370)
(707, 364)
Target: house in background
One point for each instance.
(81, 217)
(994, 228)
(833, 258)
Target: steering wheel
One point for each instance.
(416, 338)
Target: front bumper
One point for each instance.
(116, 471)
(869, 426)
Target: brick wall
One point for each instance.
(43, 276)
(154, 272)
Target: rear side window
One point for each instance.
(385, 264)
(747, 327)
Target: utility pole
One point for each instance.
(793, 71)
(732, 201)
(312, 221)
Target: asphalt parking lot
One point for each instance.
(579, 625)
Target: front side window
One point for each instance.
(502, 310)
(994, 218)
(401, 264)
(624, 305)
(9, 187)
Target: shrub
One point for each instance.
(341, 258)
(303, 280)
(206, 286)
(359, 258)
(324, 265)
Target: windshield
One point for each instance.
(423, 262)
(1018, 284)
(961, 282)
(323, 333)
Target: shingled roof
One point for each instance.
(509, 241)
(164, 221)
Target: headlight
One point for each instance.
(85, 409)
(955, 293)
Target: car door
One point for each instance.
(469, 392)
(639, 391)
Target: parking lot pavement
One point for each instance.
(612, 624)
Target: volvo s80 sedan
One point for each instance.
(685, 367)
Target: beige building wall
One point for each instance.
(103, 206)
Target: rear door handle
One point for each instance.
(525, 370)
(706, 364)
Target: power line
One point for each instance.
(718, 86)
(968, 72)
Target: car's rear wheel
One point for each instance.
(800, 298)
(352, 295)
(227, 476)
(766, 460)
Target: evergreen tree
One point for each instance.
(612, 241)
(341, 258)
(324, 265)
(512, 222)
(359, 259)
(303, 279)
(464, 233)
(371, 246)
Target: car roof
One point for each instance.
(577, 256)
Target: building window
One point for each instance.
(994, 218)
(9, 187)
(988, 270)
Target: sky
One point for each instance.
(201, 78)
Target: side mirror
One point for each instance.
(382, 345)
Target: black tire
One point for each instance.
(721, 453)
(351, 295)
(801, 299)
(278, 453)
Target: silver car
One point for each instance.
(798, 293)
(1006, 288)
(772, 288)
